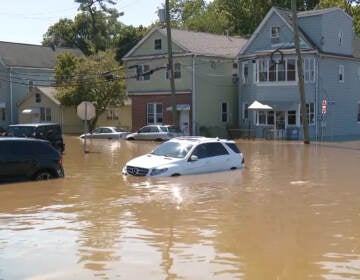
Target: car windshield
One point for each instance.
(172, 149)
(174, 129)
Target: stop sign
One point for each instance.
(86, 110)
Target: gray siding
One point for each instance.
(341, 118)
(262, 41)
(324, 31)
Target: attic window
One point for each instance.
(38, 98)
(157, 44)
(340, 38)
(275, 34)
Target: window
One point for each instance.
(275, 34)
(112, 114)
(38, 98)
(269, 71)
(291, 70)
(309, 69)
(341, 73)
(358, 114)
(45, 114)
(245, 72)
(310, 111)
(291, 117)
(177, 71)
(340, 38)
(265, 117)
(157, 44)
(245, 111)
(143, 72)
(154, 113)
(210, 150)
(224, 112)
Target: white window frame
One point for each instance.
(45, 114)
(112, 114)
(341, 76)
(245, 72)
(156, 45)
(267, 117)
(340, 37)
(177, 71)
(263, 76)
(156, 113)
(141, 69)
(310, 112)
(275, 33)
(308, 64)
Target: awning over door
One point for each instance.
(31, 111)
(180, 107)
(256, 105)
(273, 105)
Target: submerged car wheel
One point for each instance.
(43, 175)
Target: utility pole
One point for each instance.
(171, 64)
(305, 123)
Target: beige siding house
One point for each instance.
(41, 105)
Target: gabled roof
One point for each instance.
(320, 12)
(31, 56)
(284, 14)
(206, 43)
(199, 43)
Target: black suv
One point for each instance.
(47, 131)
(29, 158)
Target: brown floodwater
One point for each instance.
(292, 213)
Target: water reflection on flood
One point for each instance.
(292, 213)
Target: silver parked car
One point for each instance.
(106, 132)
(155, 132)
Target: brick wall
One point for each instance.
(139, 107)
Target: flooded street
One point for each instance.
(292, 213)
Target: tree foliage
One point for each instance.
(98, 78)
(238, 17)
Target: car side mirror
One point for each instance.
(194, 158)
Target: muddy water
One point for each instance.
(292, 213)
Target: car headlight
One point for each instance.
(158, 171)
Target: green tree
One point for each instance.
(100, 17)
(98, 78)
(239, 17)
(126, 38)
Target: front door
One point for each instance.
(184, 122)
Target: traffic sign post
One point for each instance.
(86, 111)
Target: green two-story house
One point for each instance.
(206, 81)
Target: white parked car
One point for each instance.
(106, 132)
(155, 132)
(187, 155)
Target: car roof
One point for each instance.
(22, 139)
(33, 124)
(199, 139)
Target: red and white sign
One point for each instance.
(323, 107)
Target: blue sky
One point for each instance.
(25, 21)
